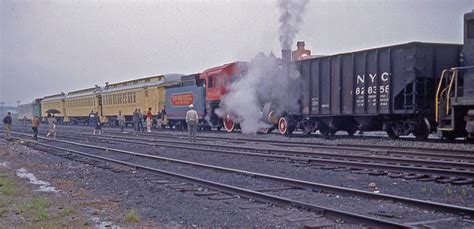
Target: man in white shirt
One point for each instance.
(192, 119)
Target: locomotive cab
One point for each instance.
(455, 92)
(217, 83)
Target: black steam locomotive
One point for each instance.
(416, 88)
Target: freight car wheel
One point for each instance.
(324, 132)
(283, 126)
(351, 132)
(229, 124)
(391, 134)
(308, 128)
(423, 129)
(327, 132)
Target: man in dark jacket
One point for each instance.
(35, 122)
(7, 122)
(140, 120)
(135, 119)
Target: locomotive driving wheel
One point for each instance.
(283, 126)
(229, 124)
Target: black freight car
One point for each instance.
(389, 88)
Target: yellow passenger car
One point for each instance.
(79, 104)
(54, 102)
(135, 94)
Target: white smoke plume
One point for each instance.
(266, 86)
(246, 97)
(291, 16)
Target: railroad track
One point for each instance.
(393, 150)
(420, 152)
(252, 194)
(445, 171)
(301, 135)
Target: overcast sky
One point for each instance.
(51, 46)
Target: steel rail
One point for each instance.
(446, 154)
(431, 162)
(350, 157)
(293, 182)
(233, 190)
(424, 152)
(469, 174)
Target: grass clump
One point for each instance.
(66, 212)
(132, 216)
(40, 204)
(41, 216)
(36, 204)
(7, 187)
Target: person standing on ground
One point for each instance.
(121, 121)
(163, 113)
(161, 117)
(135, 119)
(98, 125)
(149, 120)
(91, 118)
(35, 122)
(140, 120)
(7, 122)
(191, 119)
(51, 126)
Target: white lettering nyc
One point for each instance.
(383, 89)
(361, 79)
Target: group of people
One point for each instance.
(138, 118)
(35, 123)
(192, 119)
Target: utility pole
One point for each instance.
(18, 106)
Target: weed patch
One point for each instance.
(7, 187)
(66, 212)
(132, 216)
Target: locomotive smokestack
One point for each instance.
(286, 56)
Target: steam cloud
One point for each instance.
(266, 86)
(291, 16)
(248, 95)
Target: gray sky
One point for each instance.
(51, 46)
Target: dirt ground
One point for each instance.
(24, 205)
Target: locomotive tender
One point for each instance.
(408, 88)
